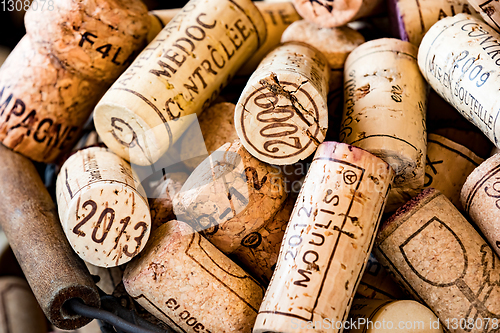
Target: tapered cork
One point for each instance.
(186, 282)
(282, 114)
(97, 39)
(489, 10)
(457, 57)
(411, 19)
(42, 105)
(177, 76)
(480, 199)
(327, 241)
(447, 167)
(229, 196)
(441, 260)
(384, 110)
(103, 208)
(331, 14)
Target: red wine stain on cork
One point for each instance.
(362, 91)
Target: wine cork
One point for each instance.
(331, 14)
(158, 19)
(217, 127)
(376, 316)
(334, 43)
(186, 282)
(384, 110)
(489, 10)
(322, 257)
(457, 57)
(377, 283)
(107, 278)
(441, 260)
(177, 75)
(282, 114)
(19, 310)
(229, 196)
(479, 197)
(447, 167)
(42, 119)
(494, 150)
(411, 19)
(97, 39)
(103, 208)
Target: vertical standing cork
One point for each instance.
(480, 198)
(458, 57)
(103, 208)
(412, 18)
(328, 239)
(448, 165)
(331, 14)
(442, 261)
(282, 114)
(186, 282)
(29, 219)
(384, 110)
(489, 10)
(229, 196)
(178, 74)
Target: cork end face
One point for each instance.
(473, 181)
(329, 13)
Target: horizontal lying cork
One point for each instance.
(103, 208)
(457, 57)
(177, 76)
(186, 282)
(489, 10)
(438, 256)
(328, 239)
(282, 114)
(97, 39)
(229, 196)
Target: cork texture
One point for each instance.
(489, 10)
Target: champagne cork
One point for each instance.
(447, 167)
(177, 76)
(217, 127)
(96, 39)
(384, 110)
(229, 196)
(438, 256)
(377, 316)
(412, 18)
(322, 257)
(480, 198)
(334, 43)
(457, 57)
(331, 14)
(186, 282)
(20, 313)
(103, 208)
(377, 283)
(489, 10)
(282, 114)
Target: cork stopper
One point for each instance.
(490, 12)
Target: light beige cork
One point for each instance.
(377, 316)
(489, 10)
(282, 114)
(97, 39)
(42, 105)
(384, 110)
(103, 208)
(458, 57)
(186, 282)
(331, 14)
(448, 165)
(327, 241)
(158, 20)
(438, 256)
(229, 196)
(177, 76)
(480, 199)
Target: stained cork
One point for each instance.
(328, 239)
(186, 282)
(177, 76)
(489, 10)
(103, 208)
(282, 114)
(439, 258)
